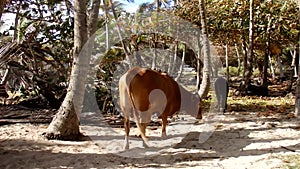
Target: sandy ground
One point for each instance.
(234, 140)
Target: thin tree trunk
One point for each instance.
(239, 59)
(106, 25)
(6, 76)
(182, 63)
(297, 100)
(17, 22)
(198, 70)
(267, 53)
(158, 3)
(163, 64)
(297, 93)
(170, 62)
(245, 59)
(271, 66)
(249, 70)
(135, 50)
(120, 35)
(226, 60)
(265, 66)
(174, 58)
(155, 36)
(65, 124)
(279, 62)
(154, 51)
(294, 64)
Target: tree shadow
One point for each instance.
(226, 143)
(213, 148)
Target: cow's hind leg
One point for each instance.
(127, 129)
(163, 127)
(143, 133)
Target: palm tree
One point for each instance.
(205, 84)
(65, 124)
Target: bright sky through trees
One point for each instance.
(8, 19)
(132, 7)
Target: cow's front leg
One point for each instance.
(127, 129)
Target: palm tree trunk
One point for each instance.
(205, 84)
(226, 61)
(239, 59)
(174, 61)
(245, 59)
(271, 66)
(267, 53)
(65, 124)
(280, 67)
(182, 63)
(106, 26)
(198, 61)
(17, 22)
(153, 66)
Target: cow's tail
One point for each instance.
(138, 124)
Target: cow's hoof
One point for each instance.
(145, 145)
(126, 147)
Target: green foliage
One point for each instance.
(44, 48)
(105, 74)
(228, 20)
(233, 71)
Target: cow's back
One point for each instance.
(153, 90)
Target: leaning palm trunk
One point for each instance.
(65, 124)
(120, 36)
(205, 84)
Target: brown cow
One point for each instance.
(144, 91)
